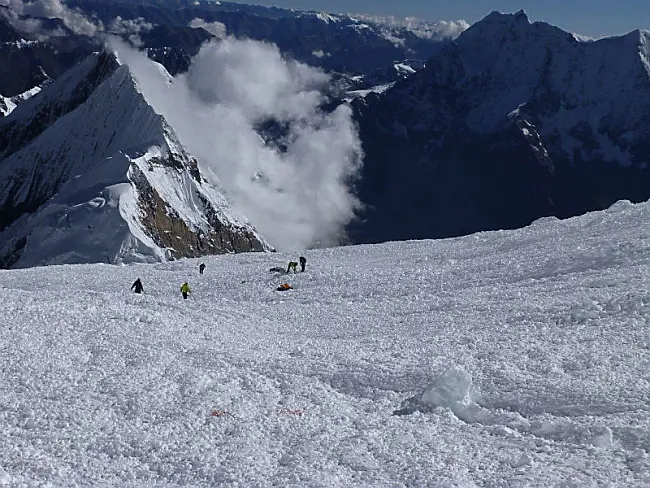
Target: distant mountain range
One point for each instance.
(508, 122)
(334, 42)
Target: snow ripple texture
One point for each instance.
(517, 358)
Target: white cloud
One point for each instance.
(74, 20)
(129, 26)
(217, 29)
(442, 29)
(296, 198)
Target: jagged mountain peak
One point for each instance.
(504, 62)
(106, 179)
(499, 34)
(521, 119)
(497, 17)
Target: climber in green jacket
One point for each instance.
(185, 289)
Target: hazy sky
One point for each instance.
(592, 18)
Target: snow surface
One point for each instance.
(352, 94)
(518, 358)
(8, 104)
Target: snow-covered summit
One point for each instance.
(600, 89)
(91, 173)
(508, 61)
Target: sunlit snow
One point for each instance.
(517, 358)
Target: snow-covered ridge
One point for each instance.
(107, 181)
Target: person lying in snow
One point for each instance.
(284, 287)
(277, 269)
(137, 286)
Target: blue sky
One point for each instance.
(594, 18)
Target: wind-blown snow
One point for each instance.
(297, 196)
(518, 358)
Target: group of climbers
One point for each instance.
(293, 265)
(185, 287)
(137, 286)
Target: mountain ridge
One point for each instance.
(510, 122)
(121, 171)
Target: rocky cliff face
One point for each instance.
(510, 122)
(90, 173)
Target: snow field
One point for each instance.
(516, 358)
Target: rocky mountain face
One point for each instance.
(511, 122)
(90, 173)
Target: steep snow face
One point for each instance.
(107, 181)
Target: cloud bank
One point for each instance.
(442, 29)
(74, 20)
(217, 29)
(296, 192)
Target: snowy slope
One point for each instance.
(518, 358)
(92, 174)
